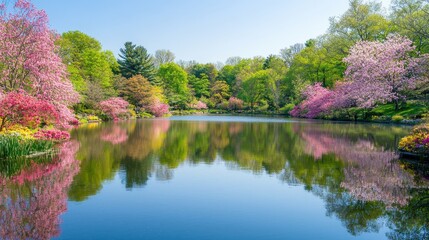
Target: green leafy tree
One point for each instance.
(200, 85)
(138, 91)
(175, 82)
(220, 92)
(199, 70)
(411, 18)
(361, 22)
(91, 70)
(134, 60)
(254, 88)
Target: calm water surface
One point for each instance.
(220, 177)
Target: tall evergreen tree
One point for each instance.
(134, 60)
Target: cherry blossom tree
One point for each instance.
(317, 100)
(114, 107)
(380, 72)
(29, 59)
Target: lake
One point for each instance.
(221, 177)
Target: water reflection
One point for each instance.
(352, 167)
(32, 201)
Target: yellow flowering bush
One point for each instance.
(417, 142)
(18, 130)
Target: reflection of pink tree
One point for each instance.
(116, 136)
(32, 201)
(371, 174)
(160, 126)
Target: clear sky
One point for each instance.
(201, 30)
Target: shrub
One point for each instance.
(21, 131)
(235, 104)
(20, 108)
(287, 108)
(159, 109)
(417, 142)
(198, 105)
(52, 135)
(397, 118)
(114, 108)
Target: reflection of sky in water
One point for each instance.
(205, 177)
(204, 202)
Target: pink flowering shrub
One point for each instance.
(20, 108)
(199, 106)
(235, 104)
(159, 109)
(53, 135)
(114, 108)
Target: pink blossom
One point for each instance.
(114, 107)
(55, 135)
(199, 105)
(317, 101)
(380, 72)
(159, 109)
(30, 61)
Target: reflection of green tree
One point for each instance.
(321, 156)
(411, 221)
(99, 162)
(175, 147)
(136, 172)
(357, 216)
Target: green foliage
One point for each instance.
(220, 92)
(12, 146)
(134, 60)
(204, 70)
(287, 108)
(255, 87)
(175, 82)
(397, 118)
(200, 85)
(409, 110)
(90, 69)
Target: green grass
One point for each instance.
(15, 153)
(408, 111)
(15, 146)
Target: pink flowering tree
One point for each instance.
(20, 108)
(114, 108)
(199, 105)
(317, 101)
(235, 104)
(380, 72)
(159, 109)
(29, 59)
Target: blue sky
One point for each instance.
(201, 30)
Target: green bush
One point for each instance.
(397, 118)
(287, 108)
